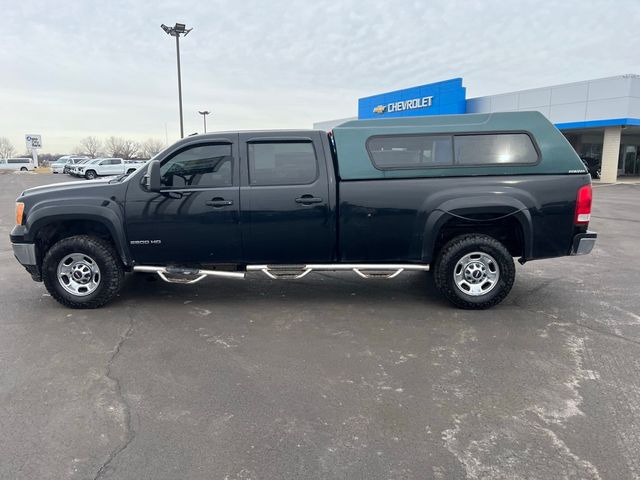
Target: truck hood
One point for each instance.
(63, 187)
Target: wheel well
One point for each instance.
(508, 231)
(56, 231)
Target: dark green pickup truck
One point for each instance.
(459, 195)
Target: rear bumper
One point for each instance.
(583, 243)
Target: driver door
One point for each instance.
(194, 219)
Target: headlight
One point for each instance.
(19, 212)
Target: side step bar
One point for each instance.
(365, 270)
(293, 272)
(181, 273)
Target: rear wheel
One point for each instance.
(90, 175)
(82, 272)
(474, 271)
(23, 169)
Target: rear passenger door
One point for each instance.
(284, 195)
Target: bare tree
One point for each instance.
(89, 146)
(122, 147)
(6, 148)
(151, 147)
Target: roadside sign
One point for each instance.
(33, 141)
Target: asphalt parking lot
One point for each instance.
(330, 376)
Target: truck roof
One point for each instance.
(476, 121)
(555, 153)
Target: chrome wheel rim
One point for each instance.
(476, 274)
(79, 274)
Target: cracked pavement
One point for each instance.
(330, 376)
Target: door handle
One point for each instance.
(219, 202)
(308, 200)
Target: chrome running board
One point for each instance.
(186, 272)
(294, 272)
(365, 270)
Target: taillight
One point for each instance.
(583, 205)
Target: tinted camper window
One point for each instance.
(494, 149)
(391, 152)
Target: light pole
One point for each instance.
(204, 114)
(175, 31)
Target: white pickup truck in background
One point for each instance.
(106, 167)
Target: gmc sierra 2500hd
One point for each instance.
(459, 195)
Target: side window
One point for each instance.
(499, 148)
(409, 151)
(199, 166)
(282, 163)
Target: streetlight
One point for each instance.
(204, 114)
(175, 31)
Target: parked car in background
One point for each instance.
(59, 165)
(20, 164)
(71, 168)
(106, 167)
(76, 161)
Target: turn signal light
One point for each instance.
(19, 212)
(583, 205)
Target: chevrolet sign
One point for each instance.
(412, 104)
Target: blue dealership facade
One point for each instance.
(441, 98)
(600, 117)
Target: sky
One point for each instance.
(75, 68)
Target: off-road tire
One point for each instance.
(103, 253)
(90, 175)
(458, 247)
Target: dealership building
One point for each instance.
(600, 118)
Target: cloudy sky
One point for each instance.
(74, 68)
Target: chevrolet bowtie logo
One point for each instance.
(380, 109)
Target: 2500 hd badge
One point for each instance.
(145, 242)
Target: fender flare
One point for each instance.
(465, 208)
(45, 215)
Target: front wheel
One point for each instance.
(82, 272)
(90, 175)
(474, 271)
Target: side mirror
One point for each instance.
(152, 178)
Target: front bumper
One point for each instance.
(583, 243)
(25, 253)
